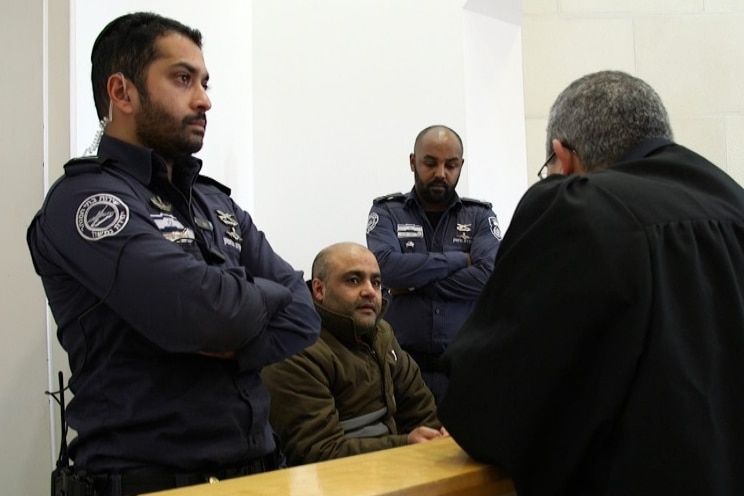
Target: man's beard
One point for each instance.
(433, 197)
(164, 133)
(364, 328)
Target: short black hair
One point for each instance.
(128, 45)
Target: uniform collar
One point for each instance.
(143, 163)
(412, 199)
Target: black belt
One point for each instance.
(148, 480)
(428, 362)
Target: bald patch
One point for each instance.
(324, 260)
(436, 133)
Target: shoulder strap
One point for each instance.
(391, 197)
(84, 165)
(473, 201)
(212, 182)
(74, 167)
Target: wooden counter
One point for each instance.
(436, 468)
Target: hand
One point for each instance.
(444, 432)
(423, 434)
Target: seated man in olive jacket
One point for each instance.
(355, 390)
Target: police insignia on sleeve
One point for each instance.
(372, 221)
(493, 223)
(100, 216)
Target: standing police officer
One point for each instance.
(435, 249)
(167, 297)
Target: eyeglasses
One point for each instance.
(543, 172)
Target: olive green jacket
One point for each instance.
(346, 395)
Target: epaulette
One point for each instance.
(76, 166)
(482, 203)
(84, 165)
(212, 182)
(390, 197)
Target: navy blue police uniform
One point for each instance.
(426, 264)
(168, 301)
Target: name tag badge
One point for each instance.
(410, 231)
(172, 228)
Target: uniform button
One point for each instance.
(436, 311)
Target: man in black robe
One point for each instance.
(605, 354)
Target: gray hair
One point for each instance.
(602, 115)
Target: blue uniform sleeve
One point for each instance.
(295, 324)
(406, 270)
(467, 283)
(175, 300)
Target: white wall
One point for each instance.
(342, 88)
(494, 104)
(24, 420)
(690, 51)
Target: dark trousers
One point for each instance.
(146, 480)
(432, 371)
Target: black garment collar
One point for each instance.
(412, 198)
(143, 163)
(645, 148)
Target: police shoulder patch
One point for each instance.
(100, 216)
(493, 224)
(473, 201)
(391, 197)
(372, 221)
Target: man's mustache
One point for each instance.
(196, 117)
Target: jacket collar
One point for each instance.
(144, 164)
(644, 149)
(344, 328)
(412, 199)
